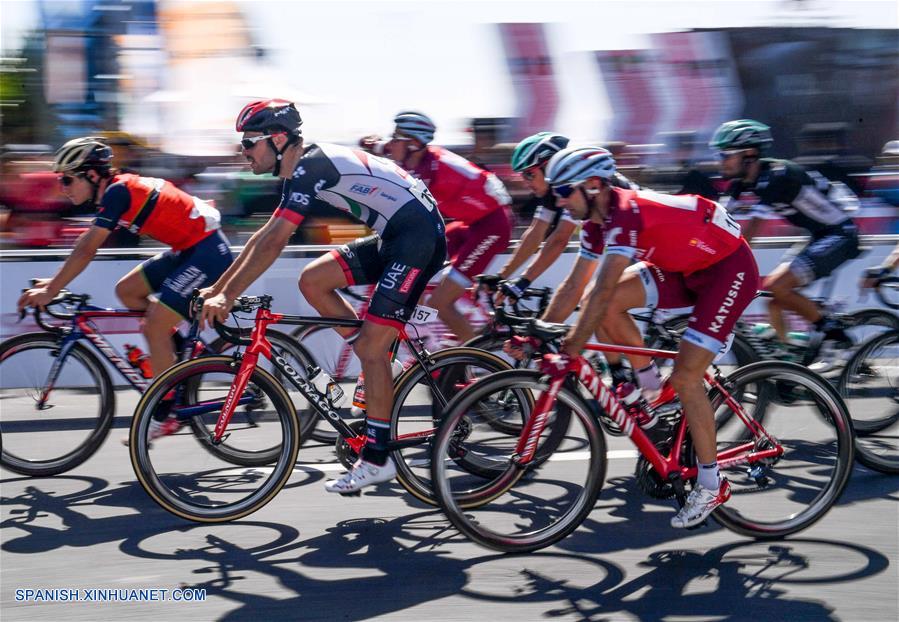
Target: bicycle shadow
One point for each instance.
(51, 501)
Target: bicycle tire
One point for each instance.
(188, 506)
(99, 425)
(830, 460)
(298, 357)
(452, 368)
(468, 507)
(855, 385)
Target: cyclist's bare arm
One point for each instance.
(552, 249)
(217, 287)
(530, 242)
(566, 297)
(594, 311)
(84, 251)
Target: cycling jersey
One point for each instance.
(155, 207)
(545, 210)
(370, 188)
(678, 233)
(592, 240)
(806, 199)
(463, 191)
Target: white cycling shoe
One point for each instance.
(363, 474)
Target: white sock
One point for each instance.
(707, 476)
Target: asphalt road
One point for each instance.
(310, 555)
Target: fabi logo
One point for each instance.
(363, 189)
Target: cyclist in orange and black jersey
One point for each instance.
(161, 285)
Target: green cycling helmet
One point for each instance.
(742, 134)
(537, 149)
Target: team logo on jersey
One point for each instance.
(299, 171)
(409, 280)
(703, 246)
(363, 189)
(388, 197)
(729, 300)
(319, 185)
(299, 197)
(393, 275)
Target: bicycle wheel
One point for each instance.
(776, 496)
(75, 418)
(519, 509)
(203, 486)
(870, 386)
(298, 358)
(419, 399)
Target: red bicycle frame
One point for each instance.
(609, 402)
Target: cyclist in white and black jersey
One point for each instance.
(805, 199)
(408, 248)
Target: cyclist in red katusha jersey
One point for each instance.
(407, 249)
(161, 285)
(701, 250)
(475, 199)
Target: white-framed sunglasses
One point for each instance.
(248, 143)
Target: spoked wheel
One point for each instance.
(787, 475)
(870, 385)
(518, 509)
(48, 430)
(233, 478)
(420, 397)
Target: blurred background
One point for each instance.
(164, 79)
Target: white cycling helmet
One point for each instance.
(415, 125)
(577, 164)
(82, 153)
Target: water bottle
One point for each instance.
(763, 331)
(138, 360)
(325, 385)
(632, 397)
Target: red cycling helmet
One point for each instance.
(270, 114)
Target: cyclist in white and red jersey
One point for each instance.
(148, 206)
(408, 248)
(474, 198)
(701, 252)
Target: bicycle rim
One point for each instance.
(204, 486)
(519, 509)
(74, 420)
(870, 387)
(776, 496)
(419, 400)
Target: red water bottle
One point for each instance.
(138, 360)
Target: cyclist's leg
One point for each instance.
(195, 267)
(134, 289)
(722, 292)
(356, 263)
(481, 242)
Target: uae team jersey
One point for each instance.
(677, 233)
(464, 191)
(806, 199)
(370, 188)
(156, 208)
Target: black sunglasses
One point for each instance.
(565, 190)
(68, 180)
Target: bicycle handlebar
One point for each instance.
(887, 282)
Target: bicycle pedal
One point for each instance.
(355, 493)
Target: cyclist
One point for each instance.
(700, 251)
(161, 285)
(474, 198)
(804, 198)
(550, 226)
(407, 249)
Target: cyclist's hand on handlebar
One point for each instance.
(514, 289)
(36, 297)
(215, 309)
(871, 276)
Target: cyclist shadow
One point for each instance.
(722, 583)
(45, 503)
(383, 565)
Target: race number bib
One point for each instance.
(422, 315)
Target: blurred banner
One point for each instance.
(631, 79)
(699, 83)
(794, 77)
(533, 78)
